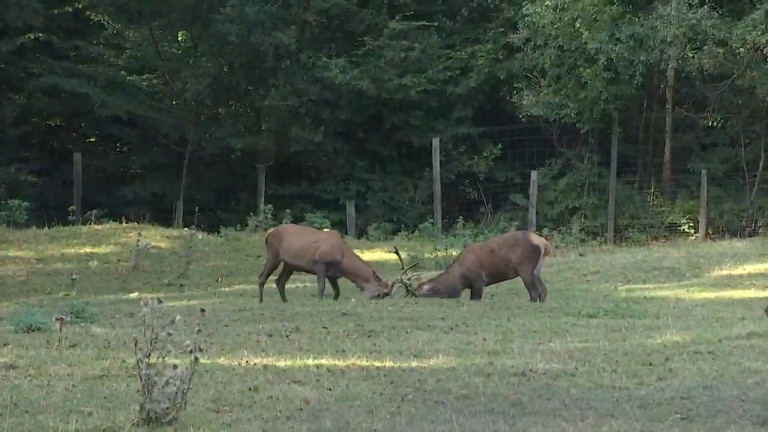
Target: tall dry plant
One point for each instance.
(164, 384)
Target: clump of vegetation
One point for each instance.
(138, 251)
(79, 312)
(163, 384)
(263, 222)
(13, 212)
(380, 231)
(317, 219)
(267, 220)
(30, 320)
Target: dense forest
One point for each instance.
(178, 104)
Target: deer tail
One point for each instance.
(545, 249)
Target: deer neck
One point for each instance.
(356, 270)
(449, 282)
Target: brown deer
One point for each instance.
(322, 253)
(502, 258)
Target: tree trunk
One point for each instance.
(640, 140)
(651, 135)
(667, 167)
(180, 205)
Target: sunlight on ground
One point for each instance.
(669, 337)
(741, 270)
(20, 253)
(350, 362)
(376, 254)
(694, 294)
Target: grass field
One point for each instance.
(664, 337)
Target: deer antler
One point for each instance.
(404, 280)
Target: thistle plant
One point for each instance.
(164, 382)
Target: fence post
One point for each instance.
(261, 179)
(436, 192)
(533, 192)
(77, 181)
(351, 219)
(612, 181)
(703, 207)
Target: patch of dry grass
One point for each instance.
(668, 337)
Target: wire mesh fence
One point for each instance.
(556, 180)
(573, 186)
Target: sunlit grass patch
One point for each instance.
(376, 255)
(699, 294)
(744, 269)
(349, 362)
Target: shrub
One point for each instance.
(80, 313)
(318, 219)
(261, 223)
(380, 231)
(13, 212)
(29, 320)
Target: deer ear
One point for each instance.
(376, 277)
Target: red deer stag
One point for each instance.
(502, 258)
(322, 253)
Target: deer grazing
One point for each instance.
(501, 258)
(322, 253)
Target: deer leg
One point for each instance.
(281, 280)
(530, 284)
(540, 283)
(335, 286)
(269, 267)
(320, 272)
(542, 288)
(476, 292)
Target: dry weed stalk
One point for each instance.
(60, 321)
(164, 385)
(188, 245)
(140, 248)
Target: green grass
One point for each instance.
(666, 337)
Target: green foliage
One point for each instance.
(263, 222)
(80, 312)
(316, 219)
(29, 320)
(13, 212)
(380, 231)
(339, 99)
(573, 190)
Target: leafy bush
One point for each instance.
(261, 223)
(317, 219)
(573, 190)
(80, 313)
(29, 320)
(287, 216)
(380, 231)
(13, 212)
(426, 230)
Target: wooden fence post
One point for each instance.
(351, 219)
(703, 207)
(436, 192)
(533, 192)
(261, 180)
(612, 180)
(77, 181)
